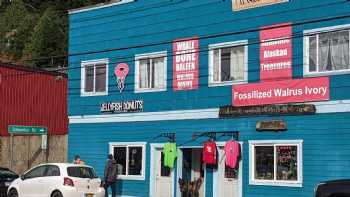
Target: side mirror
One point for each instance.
(22, 177)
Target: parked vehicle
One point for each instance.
(57, 180)
(336, 188)
(6, 177)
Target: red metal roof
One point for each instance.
(32, 97)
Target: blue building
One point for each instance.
(272, 75)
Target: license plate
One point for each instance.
(89, 195)
(7, 184)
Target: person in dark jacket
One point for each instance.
(110, 176)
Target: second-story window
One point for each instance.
(94, 77)
(327, 51)
(150, 72)
(227, 63)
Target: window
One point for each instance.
(52, 170)
(276, 163)
(94, 75)
(81, 172)
(150, 72)
(130, 159)
(36, 172)
(327, 51)
(228, 63)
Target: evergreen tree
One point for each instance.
(36, 29)
(15, 29)
(47, 40)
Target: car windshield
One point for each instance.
(6, 173)
(82, 172)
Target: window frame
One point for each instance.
(315, 32)
(275, 182)
(141, 177)
(33, 169)
(153, 55)
(84, 64)
(213, 47)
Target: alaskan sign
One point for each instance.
(27, 130)
(122, 106)
(277, 110)
(285, 91)
(276, 52)
(185, 64)
(247, 4)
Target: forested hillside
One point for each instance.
(34, 33)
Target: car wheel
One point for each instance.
(57, 194)
(13, 193)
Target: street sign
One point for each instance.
(27, 130)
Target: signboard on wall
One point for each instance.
(277, 85)
(122, 106)
(185, 64)
(276, 52)
(247, 4)
(274, 110)
(284, 91)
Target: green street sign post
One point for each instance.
(26, 130)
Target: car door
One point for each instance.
(51, 179)
(31, 185)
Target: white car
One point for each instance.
(57, 180)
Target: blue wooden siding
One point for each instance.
(326, 147)
(116, 27)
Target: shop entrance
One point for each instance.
(163, 177)
(191, 182)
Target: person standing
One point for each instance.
(77, 160)
(110, 176)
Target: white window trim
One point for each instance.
(131, 144)
(137, 64)
(211, 82)
(253, 181)
(82, 81)
(311, 32)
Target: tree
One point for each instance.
(15, 29)
(36, 29)
(47, 40)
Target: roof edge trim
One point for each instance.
(98, 6)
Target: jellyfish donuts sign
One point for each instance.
(121, 71)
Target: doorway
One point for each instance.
(162, 177)
(191, 173)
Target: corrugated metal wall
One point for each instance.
(32, 98)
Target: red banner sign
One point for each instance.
(185, 64)
(284, 91)
(276, 52)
